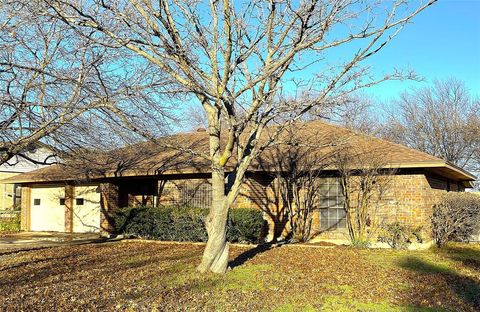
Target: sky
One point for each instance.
(441, 42)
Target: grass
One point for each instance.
(160, 277)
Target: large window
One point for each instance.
(332, 210)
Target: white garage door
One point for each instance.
(86, 209)
(47, 212)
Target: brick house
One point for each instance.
(81, 196)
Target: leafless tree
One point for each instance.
(59, 89)
(355, 112)
(442, 120)
(365, 179)
(299, 159)
(246, 63)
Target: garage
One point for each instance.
(47, 209)
(50, 212)
(86, 209)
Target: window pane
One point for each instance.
(323, 202)
(324, 213)
(323, 189)
(36, 201)
(79, 201)
(323, 219)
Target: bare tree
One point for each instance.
(299, 156)
(442, 120)
(365, 179)
(355, 112)
(245, 63)
(59, 89)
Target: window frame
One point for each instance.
(332, 203)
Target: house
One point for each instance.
(9, 193)
(81, 196)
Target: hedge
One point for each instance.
(186, 224)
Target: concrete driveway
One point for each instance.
(33, 240)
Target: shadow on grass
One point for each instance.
(249, 254)
(466, 288)
(48, 245)
(469, 256)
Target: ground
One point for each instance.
(153, 276)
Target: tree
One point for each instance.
(442, 120)
(299, 156)
(245, 63)
(365, 179)
(356, 113)
(58, 89)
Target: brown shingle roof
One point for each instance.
(190, 155)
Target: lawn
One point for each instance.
(152, 276)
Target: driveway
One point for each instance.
(34, 240)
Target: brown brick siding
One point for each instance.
(69, 194)
(109, 202)
(409, 199)
(25, 208)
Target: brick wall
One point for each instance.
(69, 194)
(25, 208)
(409, 198)
(109, 201)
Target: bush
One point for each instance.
(399, 236)
(455, 218)
(361, 243)
(185, 223)
(245, 226)
(10, 224)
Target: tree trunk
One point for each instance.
(215, 255)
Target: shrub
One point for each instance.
(10, 224)
(455, 218)
(245, 225)
(185, 223)
(399, 236)
(360, 243)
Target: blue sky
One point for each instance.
(443, 41)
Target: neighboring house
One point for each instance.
(81, 197)
(9, 193)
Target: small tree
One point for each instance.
(456, 217)
(365, 180)
(299, 163)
